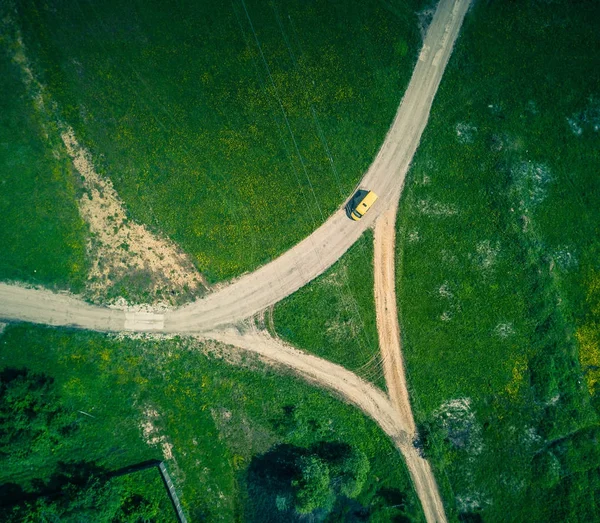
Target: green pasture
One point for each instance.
(498, 242)
(235, 128)
(42, 237)
(333, 316)
(131, 399)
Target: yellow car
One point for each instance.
(363, 205)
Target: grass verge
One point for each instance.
(333, 316)
(42, 237)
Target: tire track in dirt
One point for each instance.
(388, 327)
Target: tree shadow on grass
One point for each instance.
(270, 478)
(269, 482)
(76, 473)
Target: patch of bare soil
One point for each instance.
(152, 435)
(122, 249)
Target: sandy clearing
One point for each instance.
(388, 330)
(119, 246)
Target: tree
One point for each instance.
(312, 489)
(292, 481)
(351, 473)
(99, 500)
(348, 466)
(30, 413)
(581, 452)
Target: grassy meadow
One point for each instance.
(498, 243)
(333, 316)
(42, 237)
(235, 128)
(209, 419)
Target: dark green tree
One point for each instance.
(289, 482)
(349, 475)
(97, 500)
(312, 489)
(581, 452)
(31, 417)
(348, 467)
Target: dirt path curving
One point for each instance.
(349, 387)
(388, 330)
(387, 315)
(319, 371)
(311, 257)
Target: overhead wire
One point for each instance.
(348, 291)
(150, 95)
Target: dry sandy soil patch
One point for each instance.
(120, 248)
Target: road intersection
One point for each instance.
(213, 315)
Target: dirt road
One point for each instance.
(271, 283)
(387, 315)
(323, 373)
(311, 257)
(393, 364)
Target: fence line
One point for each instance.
(172, 493)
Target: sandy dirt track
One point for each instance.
(311, 257)
(388, 330)
(334, 377)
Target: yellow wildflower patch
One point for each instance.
(593, 294)
(518, 373)
(588, 336)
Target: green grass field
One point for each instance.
(234, 128)
(145, 396)
(334, 315)
(498, 263)
(42, 237)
